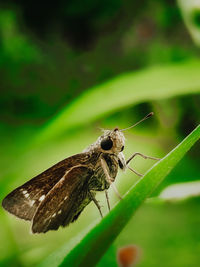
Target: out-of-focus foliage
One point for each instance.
(67, 69)
(191, 14)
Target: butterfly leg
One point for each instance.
(107, 199)
(137, 173)
(108, 178)
(92, 196)
(138, 154)
(142, 155)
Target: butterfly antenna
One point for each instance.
(146, 117)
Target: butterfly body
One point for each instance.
(57, 196)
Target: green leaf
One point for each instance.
(92, 247)
(127, 89)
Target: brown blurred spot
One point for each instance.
(146, 30)
(128, 256)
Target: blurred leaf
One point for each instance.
(16, 48)
(191, 15)
(125, 90)
(96, 242)
(186, 171)
(181, 191)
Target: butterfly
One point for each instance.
(57, 196)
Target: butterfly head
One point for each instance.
(112, 141)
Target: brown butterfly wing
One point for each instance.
(24, 200)
(64, 202)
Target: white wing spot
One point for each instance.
(54, 215)
(32, 202)
(59, 212)
(42, 198)
(26, 195)
(65, 197)
(24, 192)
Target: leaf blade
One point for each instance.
(125, 90)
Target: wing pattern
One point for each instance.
(64, 202)
(24, 200)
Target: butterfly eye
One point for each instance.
(106, 144)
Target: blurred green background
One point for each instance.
(72, 67)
